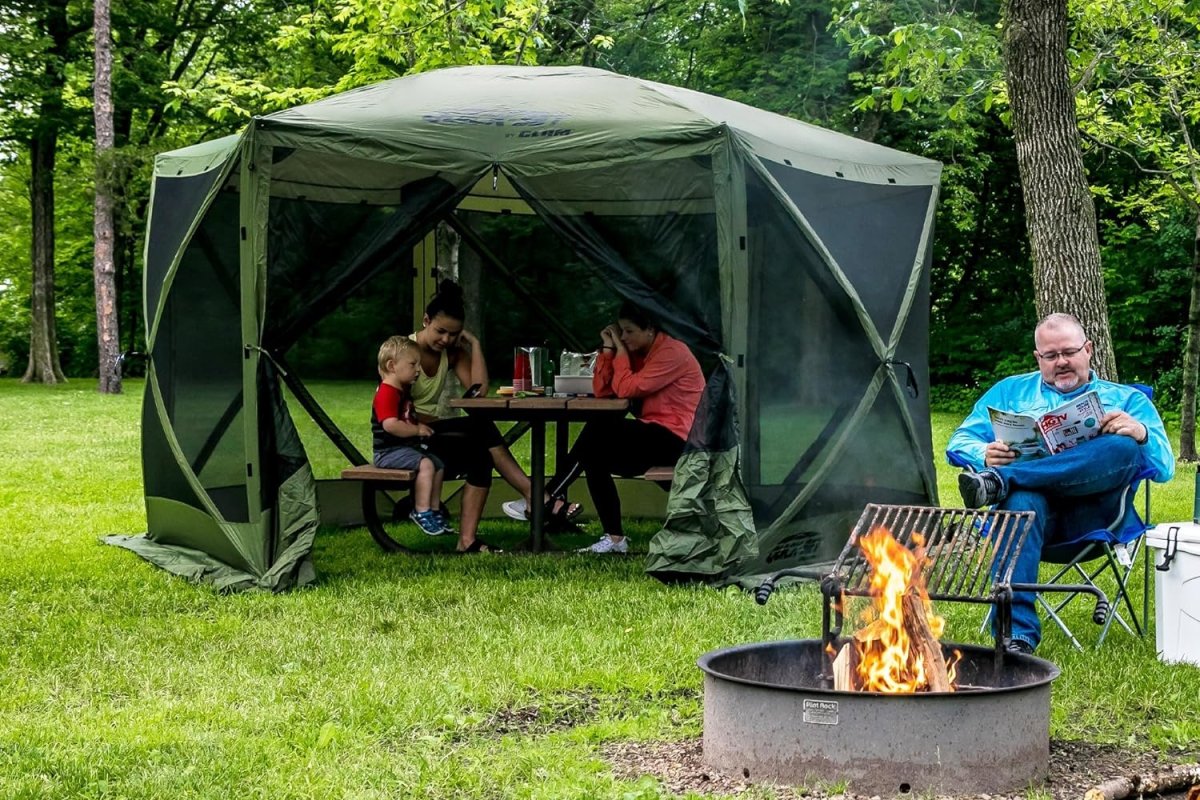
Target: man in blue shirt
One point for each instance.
(1071, 492)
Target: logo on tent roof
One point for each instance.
(531, 124)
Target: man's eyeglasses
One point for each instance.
(1056, 355)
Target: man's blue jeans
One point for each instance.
(1071, 493)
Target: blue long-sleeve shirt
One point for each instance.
(1029, 394)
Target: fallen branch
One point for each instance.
(1172, 780)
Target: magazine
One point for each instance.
(1060, 429)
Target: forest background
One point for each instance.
(923, 76)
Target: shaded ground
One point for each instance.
(1075, 767)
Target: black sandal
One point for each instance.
(479, 546)
(566, 512)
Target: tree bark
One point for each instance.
(44, 365)
(108, 343)
(1191, 360)
(1059, 212)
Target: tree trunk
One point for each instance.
(1059, 212)
(44, 365)
(108, 343)
(1191, 360)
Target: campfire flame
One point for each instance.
(888, 658)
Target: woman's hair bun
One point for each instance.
(448, 300)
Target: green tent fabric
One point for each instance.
(793, 260)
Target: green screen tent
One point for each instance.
(792, 259)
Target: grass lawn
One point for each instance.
(393, 677)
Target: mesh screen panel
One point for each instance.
(198, 358)
(871, 230)
(320, 253)
(176, 201)
(811, 361)
(813, 364)
(654, 244)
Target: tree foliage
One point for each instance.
(334, 45)
(937, 65)
(924, 76)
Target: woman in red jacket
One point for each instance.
(663, 380)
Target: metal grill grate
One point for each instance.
(967, 551)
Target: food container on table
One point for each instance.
(572, 384)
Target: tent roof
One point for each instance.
(535, 120)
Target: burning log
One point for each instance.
(923, 642)
(1172, 780)
(916, 622)
(898, 650)
(844, 668)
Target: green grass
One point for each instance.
(396, 677)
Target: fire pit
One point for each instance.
(890, 708)
(767, 716)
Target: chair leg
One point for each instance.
(1050, 610)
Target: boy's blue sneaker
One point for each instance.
(444, 518)
(430, 522)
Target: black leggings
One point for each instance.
(625, 447)
(463, 444)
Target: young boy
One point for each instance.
(397, 434)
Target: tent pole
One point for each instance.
(729, 190)
(255, 196)
(318, 415)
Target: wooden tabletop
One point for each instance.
(548, 403)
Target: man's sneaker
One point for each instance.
(1020, 647)
(607, 544)
(516, 509)
(979, 489)
(444, 518)
(429, 522)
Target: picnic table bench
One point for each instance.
(377, 479)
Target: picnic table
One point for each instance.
(538, 411)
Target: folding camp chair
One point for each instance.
(1110, 551)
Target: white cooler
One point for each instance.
(1176, 590)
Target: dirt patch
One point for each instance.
(555, 714)
(679, 767)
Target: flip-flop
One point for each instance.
(479, 546)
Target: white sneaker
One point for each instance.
(516, 509)
(607, 544)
